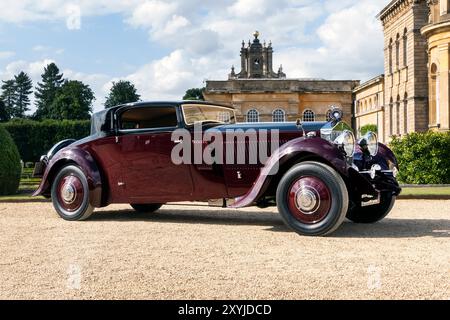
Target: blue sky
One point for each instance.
(165, 47)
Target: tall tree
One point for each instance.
(72, 101)
(8, 96)
(121, 92)
(22, 91)
(4, 116)
(46, 90)
(194, 94)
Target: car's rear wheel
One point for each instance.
(312, 199)
(70, 194)
(374, 213)
(146, 208)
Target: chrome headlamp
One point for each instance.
(347, 141)
(370, 140)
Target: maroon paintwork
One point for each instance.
(298, 148)
(136, 167)
(85, 161)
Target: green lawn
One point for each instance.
(431, 191)
(27, 186)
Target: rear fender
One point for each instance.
(81, 158)
(315, 146)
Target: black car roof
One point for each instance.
(159, 103)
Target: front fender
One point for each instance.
(387, 154)
(315, 146)
(81, 158)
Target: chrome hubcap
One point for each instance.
(68, 193)
(307, 200)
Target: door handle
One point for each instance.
(178, 141)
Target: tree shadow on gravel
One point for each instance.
(388, 228)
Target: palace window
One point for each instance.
(308, 116)
(443, 7)
(390, 56)
(278, 115)
(397, 52)
(391, 118)
(252, 116)
(405, 47)
(397, 115)
(434, 95)
(405, 114)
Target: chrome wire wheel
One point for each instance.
(309, 199)
(70, 194)
(312, 199)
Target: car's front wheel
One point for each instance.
(312, 199)
(146, 208)
(70, 194)
(374, 213)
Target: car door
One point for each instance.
(149, 175)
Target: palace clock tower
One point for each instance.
(256, 61)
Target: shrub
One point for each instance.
(10, 168)
(368, 127)
(35, 138)
(424, 158)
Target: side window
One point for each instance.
(148, 118)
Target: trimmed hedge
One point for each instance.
(424, 158)
(35, 138)
(368, 127)
(10, 167)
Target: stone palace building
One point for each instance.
(260, 94)
(411, 96)
(413, 93)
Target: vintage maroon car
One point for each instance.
(317, 175)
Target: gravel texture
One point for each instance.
(197, 252)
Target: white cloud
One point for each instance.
(45, 50)
(39, 48)
(96, 82)
(73, 19)
(175, 23)
(351, 46)
(326, 39)
(152, 14)
(69, 12)
(6, 54)
(35, 69)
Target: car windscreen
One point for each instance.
(148, 118)
(194, 113)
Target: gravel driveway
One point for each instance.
(192, 252)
